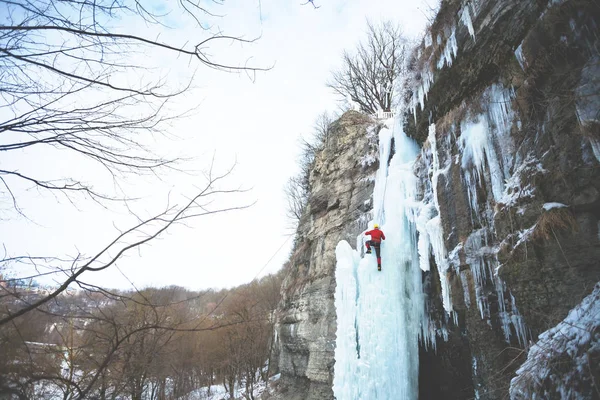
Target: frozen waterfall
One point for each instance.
(380, 313)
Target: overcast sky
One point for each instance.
(256, 123)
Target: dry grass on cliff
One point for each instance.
(452, 118)
(356, 118)
(427, 56)
(553, 221)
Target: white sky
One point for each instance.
(256, 123)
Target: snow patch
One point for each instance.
(524, 235)
(368, 160)
(550, 206)
(519, 186)
(428, 41)
(571, 345)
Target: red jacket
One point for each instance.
(376, 235)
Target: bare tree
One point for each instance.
(152, 343)
(129, 239)
(297, 188)
(369, 75)
(73, 78)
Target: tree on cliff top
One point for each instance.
(368, 76)
(297, 189)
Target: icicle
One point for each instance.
(429, 226)
(450, 51)
(521, 330)
(428, 40)
(426, 213)
(520, 57)
(595, 143)
(420, 92)
(465, 286)
(385, 143)
(504, 316)
(434, 229)
(466, 19)
(476, 150)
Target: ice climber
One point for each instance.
(376, 237)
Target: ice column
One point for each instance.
(380, 313)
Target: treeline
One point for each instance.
(148, 344)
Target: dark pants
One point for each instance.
(377, 246)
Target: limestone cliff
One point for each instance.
(340, 197)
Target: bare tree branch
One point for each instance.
(369, 76)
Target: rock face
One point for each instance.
(512, 158)
(340, 199)
(505, 107)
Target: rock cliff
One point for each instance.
(506, 107)
(340, 198)
(504, 103)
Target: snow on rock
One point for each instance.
(520, 57)
(562, 363)
(524, 235)
(519, 185)
(368, 160)
(428, 41)
(550, 206)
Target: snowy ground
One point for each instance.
(218, 392)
